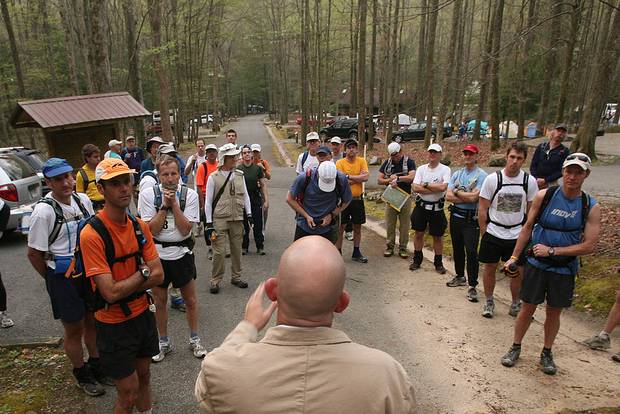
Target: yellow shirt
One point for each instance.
(91, 189)
(354, 168)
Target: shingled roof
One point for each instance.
(76, 110)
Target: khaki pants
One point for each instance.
(404, 218)
(232, 232)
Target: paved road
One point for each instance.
(449, 350)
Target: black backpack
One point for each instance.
(500, 184)
(76, 272)
(85, 181)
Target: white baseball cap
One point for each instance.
(166, 149)
(211, 147)
(327, 176)
(255, 147)
(435, 147)
(312, 136)
(113, 142)
(393, 148)
(578, 158)
(336, 140)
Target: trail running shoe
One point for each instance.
(244, 252)
(514, 309)
(488, 309)
(348, 235)
(598, 342)
(616, 357)
(414, 266)
(360, 259)
(87, 382)
(403, 254)
(472, 294)
(547, 365)
(511, 356)
(210, 253)
(260, 252)
(389, 251)
(440, 269)
(5, 321)
(240, 283)
(164, 349)
(214, 289)
(177, 303)
(197, 348)
(457, 281)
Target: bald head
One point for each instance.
(310, 281)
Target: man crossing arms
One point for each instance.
(126, 330)
(431, 182)
(51, 244)
(356, 170)
(463, 192)
(170, 210)
(564, 223)
(505, 198)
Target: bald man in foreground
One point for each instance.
(302, 365)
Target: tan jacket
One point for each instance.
(230, 206)
(301, 370)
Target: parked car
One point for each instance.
(343, 128)
(417, 130)
(206, 119)
(34, 158)
(333, 119)
(20, 188)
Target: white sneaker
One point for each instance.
(5, 321)
(348, 235)
(164, 349)
(197, 348)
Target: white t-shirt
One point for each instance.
(147, 182)
(42, 223)
(169, 232)
(438, 175)
(510, 203)
(311, 162)
(199, 160)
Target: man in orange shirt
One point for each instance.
(356, 170)
(202, 174)
(126, 331)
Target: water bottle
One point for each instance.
(24, 223)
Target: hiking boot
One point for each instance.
(5, 321)
(244, 252)
(440, 269)
(348, 235)
(227, 255)
(598, 342)
(197, 348)
(414, 266)
(403, 254)
(511, 356)
(360, 259)
(514, 309)
(165, 347)
(488, 309)
(210, 253)
(472, 295)
(547, 365)
(457, 281)
(260, 252)
(214, 289)
(389, 251)
(87, 382)
(239, 283)
(177, 303)
(616, 357)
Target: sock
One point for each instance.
(546, 351)
(418, 256)
(164, 339)
(93, 362)
(490, 299)
(193, 335)
(514, 302)
(438, 260)
(604, 334)
(516, 345)
(356, 251)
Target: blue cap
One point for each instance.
(56, 166)
(323, 149)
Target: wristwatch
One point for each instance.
(347, 176)
(551, 251)
(426, 184)
(146, 273)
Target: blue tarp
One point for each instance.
(484, 126)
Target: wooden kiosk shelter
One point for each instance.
(68, 123)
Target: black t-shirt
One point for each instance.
(397, 168)
(252, 174)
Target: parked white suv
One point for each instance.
(20, 188)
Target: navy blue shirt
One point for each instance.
(397, 168)
(547, 163)
(317, 203)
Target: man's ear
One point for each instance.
(343, 302)
(271, 288)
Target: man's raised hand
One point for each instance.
(254, 311)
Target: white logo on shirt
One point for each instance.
(564, 214)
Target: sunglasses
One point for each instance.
(579, 157)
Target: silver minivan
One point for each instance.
(20, 188)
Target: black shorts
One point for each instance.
(330, 235)
(435, 220)
(120, 344)
(67, 305)
(539, 285)
(178, 272)
(354, 213)
(492, 249)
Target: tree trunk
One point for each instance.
(432, 29)
(549, 65)
(484, 72)
(49, 52)
(19, 75)
(371, 83)
(155, 20)
(83, 39)
(420, 84)
(133, 62)
(361, 73)
(497, 40)
(99, 59)
(305, 70)
(603, 72)
(523, 80)
(575, 22)
(68, 29)
(449, 67)
(353, 37)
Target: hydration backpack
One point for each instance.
(60, 219)
(500, 184)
